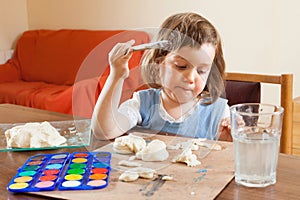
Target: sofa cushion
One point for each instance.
(8, 72)
(54, 56)
(36, 94)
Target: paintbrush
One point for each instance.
(153, 45)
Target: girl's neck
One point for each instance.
(174, 108)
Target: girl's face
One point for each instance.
(184, 73)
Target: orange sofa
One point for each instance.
(64, 70)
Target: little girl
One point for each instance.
(185, 80)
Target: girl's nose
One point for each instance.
(189, 76)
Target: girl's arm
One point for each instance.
(107, 122)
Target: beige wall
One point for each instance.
(259, 36)
(13, 21)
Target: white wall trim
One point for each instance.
(5, 55)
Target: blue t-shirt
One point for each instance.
(202, 123)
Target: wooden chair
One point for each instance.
(286, 99)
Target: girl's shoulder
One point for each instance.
(219, 101)
(149, 92)
(222, 100)
(149, 96)
(219, 105)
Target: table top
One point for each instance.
(288, 173)
(204, 181)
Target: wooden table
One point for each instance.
(288, 173)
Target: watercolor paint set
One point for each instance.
(63, 171)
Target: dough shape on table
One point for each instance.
(187, 157)
(167, 178)
(128, 144)
(129, 176)
(189, 144)
(202, 143)
(156, 150)
(194, 144)
(134, 173)
(33, 135)
(127, 163)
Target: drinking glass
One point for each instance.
(256, 131)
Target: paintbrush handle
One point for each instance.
(152, 45)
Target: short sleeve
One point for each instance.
(226, 112)
(131, 109)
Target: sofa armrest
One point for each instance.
(8, 72)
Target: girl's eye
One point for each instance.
(181, 67)
(201, 71)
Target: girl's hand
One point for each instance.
(224, 130)
(119, 57)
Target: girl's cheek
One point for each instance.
(199, 86)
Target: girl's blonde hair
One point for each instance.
(187, 29)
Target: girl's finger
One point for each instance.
(129, 45)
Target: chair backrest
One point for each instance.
(286, 99)
(235, 96)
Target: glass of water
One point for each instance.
(256, 131)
